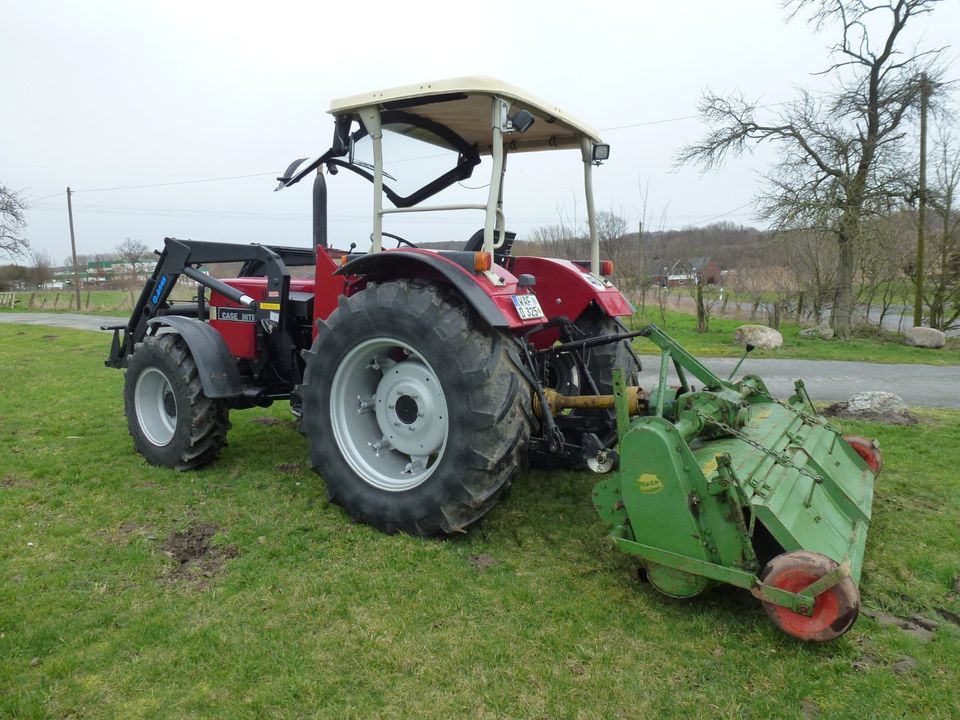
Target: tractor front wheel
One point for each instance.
(417, 416)
(171, 421)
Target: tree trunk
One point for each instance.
(846, 262)
(701, 311)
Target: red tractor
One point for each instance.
(424, 379)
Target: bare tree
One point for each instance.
(943, 298)
(813, 256)
(131, 252)
(841, 156)
(705, 302)
(617, 245)
(42, 267)
(12, 223)
(888, 246)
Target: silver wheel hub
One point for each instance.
(156, 407)
(389, 414)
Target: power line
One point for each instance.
(643, 123)
(226, 214)
(679, 118)
(45, 197)
(729, 212)
(650, 122)
(179, 182)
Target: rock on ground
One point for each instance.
(924, 337)
(873, 405)
(759, 336)
(822, 331)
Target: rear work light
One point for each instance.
(606, 268)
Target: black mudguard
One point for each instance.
(217, 367)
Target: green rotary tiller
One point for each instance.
(728, 484)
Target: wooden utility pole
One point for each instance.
(73, 250)
(922, 211)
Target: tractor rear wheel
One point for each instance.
(603, 359)
(171, 421)
(416, 415)
(563, 375)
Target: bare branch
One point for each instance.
(12, 223)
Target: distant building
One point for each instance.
(690, 272)
(105, 273)
(706, 269)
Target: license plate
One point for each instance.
(528, 307)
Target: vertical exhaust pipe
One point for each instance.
(319, 210)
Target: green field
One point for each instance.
(93, 302)
(128, 591)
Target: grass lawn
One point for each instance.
(718, 342)
(283, 608)
(92, 302)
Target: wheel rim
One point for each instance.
(866, 450)
(826, 606)
(389, 414)
(156, 406)
(834, 610)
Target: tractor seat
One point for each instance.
(475, 243)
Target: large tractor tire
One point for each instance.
(416, 415)
(171, 421)
(603, 359)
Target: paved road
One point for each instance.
(831, 380)
(923, 385)
(64, 320)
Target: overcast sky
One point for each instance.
(110, 93)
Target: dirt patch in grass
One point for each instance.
(197, 559)
(917, 626)
(13, 480)
(127, 532)
(949, 616)
(839, 410)
(291, 468)
(267, 420)
(482, 561)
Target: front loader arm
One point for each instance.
(183, 257)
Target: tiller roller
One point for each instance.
(728, 484)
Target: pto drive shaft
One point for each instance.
(638, 401)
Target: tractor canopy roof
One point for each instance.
(464, 106)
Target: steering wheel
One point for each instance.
(400, 240)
